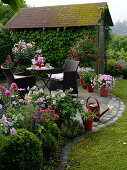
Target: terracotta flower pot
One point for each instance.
(88, 124)
(103, 92)
(89, 88)
(82, 83)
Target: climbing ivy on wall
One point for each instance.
(55, 42)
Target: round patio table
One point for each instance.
(48, 72)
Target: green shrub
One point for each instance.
(84, 51)
(55, 131)
(67, 107)
(49, 146)
(71, 129)
(112, 69)
(21, 152)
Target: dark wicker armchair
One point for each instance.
(20, 79)
(66, 79)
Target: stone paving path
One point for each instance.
(111, 115)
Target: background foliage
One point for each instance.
(117, 53)
(55, 43)
(5, 41)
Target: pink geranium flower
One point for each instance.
(7, 93)
(50, 107)
(14, 86)
(2, 87)
(56, 116)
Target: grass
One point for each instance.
(105, 149)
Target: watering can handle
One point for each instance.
(93, 98)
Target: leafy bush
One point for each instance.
(49, 146)
(117, 42)
(114, 67)
(71, 129)
(55, 131)
(21, 151)
(85, 51)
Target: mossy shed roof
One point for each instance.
(60, 16)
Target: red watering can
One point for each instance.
(95, 107)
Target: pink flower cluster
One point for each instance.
(38, 60)
(22, 46)
(8, 124)
(12, 87)
(118, 65)
(82, 69)
(103, 80)
(45, 115)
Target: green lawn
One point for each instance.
(105, 149)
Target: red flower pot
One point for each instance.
(82, 83)
(89, 88)
(103, 92)
(88, 124)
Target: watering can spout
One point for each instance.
(101, 114)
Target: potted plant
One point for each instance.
(87, 118)
(80, 71)
(104, 82)
(88, 77)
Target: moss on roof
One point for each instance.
(60, 16)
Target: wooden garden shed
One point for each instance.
(64, 16)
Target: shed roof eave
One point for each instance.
(51, 27)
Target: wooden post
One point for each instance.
(101, 52)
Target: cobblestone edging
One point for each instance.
(106, 119)
(111, 116)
